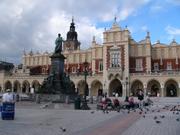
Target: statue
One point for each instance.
(58, 42)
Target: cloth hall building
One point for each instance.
(118, 65)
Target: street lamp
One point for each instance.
(84, 104)
(126, 86)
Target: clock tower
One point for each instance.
(71, 42)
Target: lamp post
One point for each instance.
(84, 104)
(126, 86)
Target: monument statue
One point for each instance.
(58, 42)
(57, 81)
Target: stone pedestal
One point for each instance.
(57, 64)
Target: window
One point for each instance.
(156, 67)
(74, 69)
(169, 66)
(100, 65)
(139, 66)
(115, 59)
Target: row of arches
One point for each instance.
(24, 87)
(91, 89)
(170, 88)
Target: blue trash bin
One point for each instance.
(7, 111)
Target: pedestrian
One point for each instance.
(8, 97)
(17, 97)
(8, 105)
(158, 95)
(113, 94)
(116, 95)
(141, 98)
(171, 93)
(131, 101)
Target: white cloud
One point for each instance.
(130, 7)
(172, 32)
(87, 31)
(144, 28)
(156, 8)
(34, 24)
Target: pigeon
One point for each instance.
(92, 112)
(104, 111)
(141, 109)
(177, 119)
(162, 116)
(140, 112)
(158, 122)
(44, 106)
(177, 113)
(63, 129)
(155, 117)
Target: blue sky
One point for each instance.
(34, 24)
(161, 20)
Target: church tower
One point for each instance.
(71, 42)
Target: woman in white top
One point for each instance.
(8, 96)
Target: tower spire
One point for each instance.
(115, 19)
(72, 19)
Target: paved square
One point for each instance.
(31, 119)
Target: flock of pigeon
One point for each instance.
(174, 109)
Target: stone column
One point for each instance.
(89, 90)
(105, 87)
(20, 89)
(162, 90)
(2, 88)
(76, 89)
(178, 92)
(12, 87)
(29, 89)
(124, 89)
(145, 89)
(127, 89)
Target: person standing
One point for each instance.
(8, 105)
(8, 97)
(141, 98)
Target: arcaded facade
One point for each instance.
(118, 65)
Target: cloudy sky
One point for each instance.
(34, 24)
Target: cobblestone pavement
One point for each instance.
(163, 121)
(160, 119)
(31, 119)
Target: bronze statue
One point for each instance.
(58, 42)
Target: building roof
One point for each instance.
(6, 65)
